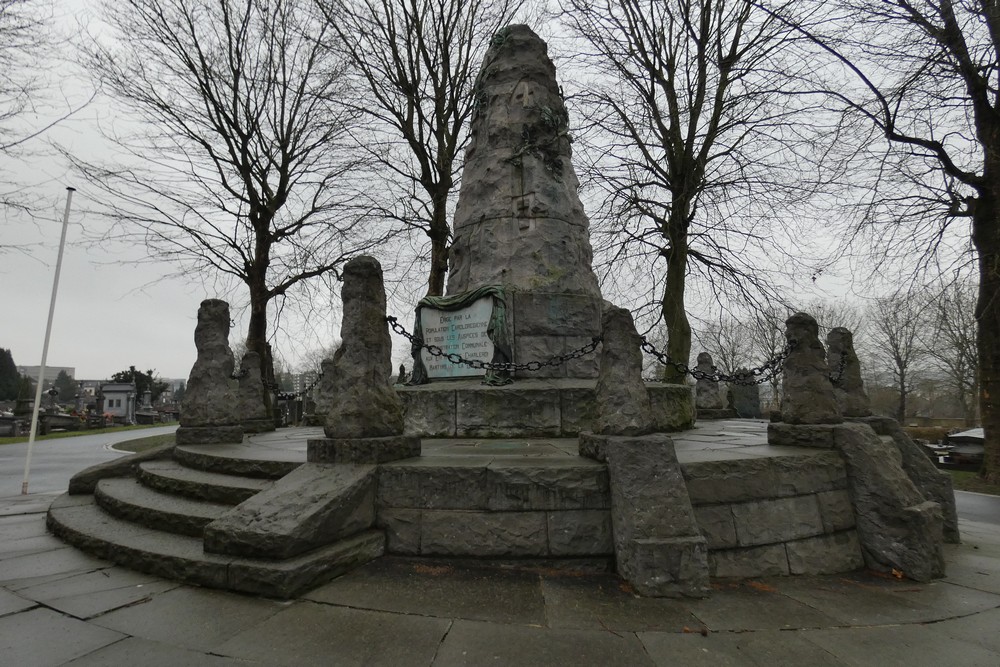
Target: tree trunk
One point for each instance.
(901, 408)
(256, 340)
(438, 233)
(672, 307)
(986, 236)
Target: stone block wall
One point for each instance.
(526, 408)
(775, 516)
(760, 517)
(468, 507)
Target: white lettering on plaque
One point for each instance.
(461, 332)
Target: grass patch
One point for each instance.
(971, 481)
(73, 434)
(142, 444)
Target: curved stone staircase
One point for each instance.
(152, 514)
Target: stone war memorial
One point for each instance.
(525, 435)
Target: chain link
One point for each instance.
(763, 373)
(508, 366)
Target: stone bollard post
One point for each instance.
(659, 548)
(364, 415)
(848, 387)
(808, 396)
(209, 408)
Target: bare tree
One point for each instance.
(896, 324)
(29, 104)
(695, 133)
(727, 341)
(924, 78)
(417, 61)
(952, 344)
(238, 168)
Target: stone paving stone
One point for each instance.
(857, 599)
(25, 546)
(192, 618)
(438, 589)
(766, 648)
(475, 644)
(135, 651)
(966, 567)
(753, 605)
(88, 605)
(11, 603)
(42, 637)
(607, 602)
(107, 579)
(22, 526)
(307, 633)
(912, 645)
(66, 560)
(979, 629)
(31, 504)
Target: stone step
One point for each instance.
(173, 478)
(239, 460)
(128, 499)
(79, 521)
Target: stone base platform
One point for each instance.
(763, 510)
(527, 408)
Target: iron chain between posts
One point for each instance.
(509, 366)
(763, 373)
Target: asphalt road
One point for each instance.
(978, 507)
(53, 462)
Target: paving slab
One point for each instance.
(752, 605)
(95, 593)
(438, 589)
(607, 603)
(912, 645)
(475, 644)
(191, 618)
(766, 648)
(978, 629)
(42, 637)
(11, 603)
(308, 633)
(22, 526)
(858, 600)
(135, 651)
(65, 560)
(25, 546)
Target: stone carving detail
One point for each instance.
(622, 404)
(210, 399)
(361, 402)
(706, 392)
(849, 389)
(808, 395)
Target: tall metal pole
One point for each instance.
(45, 345)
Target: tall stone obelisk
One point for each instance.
(519, 220)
